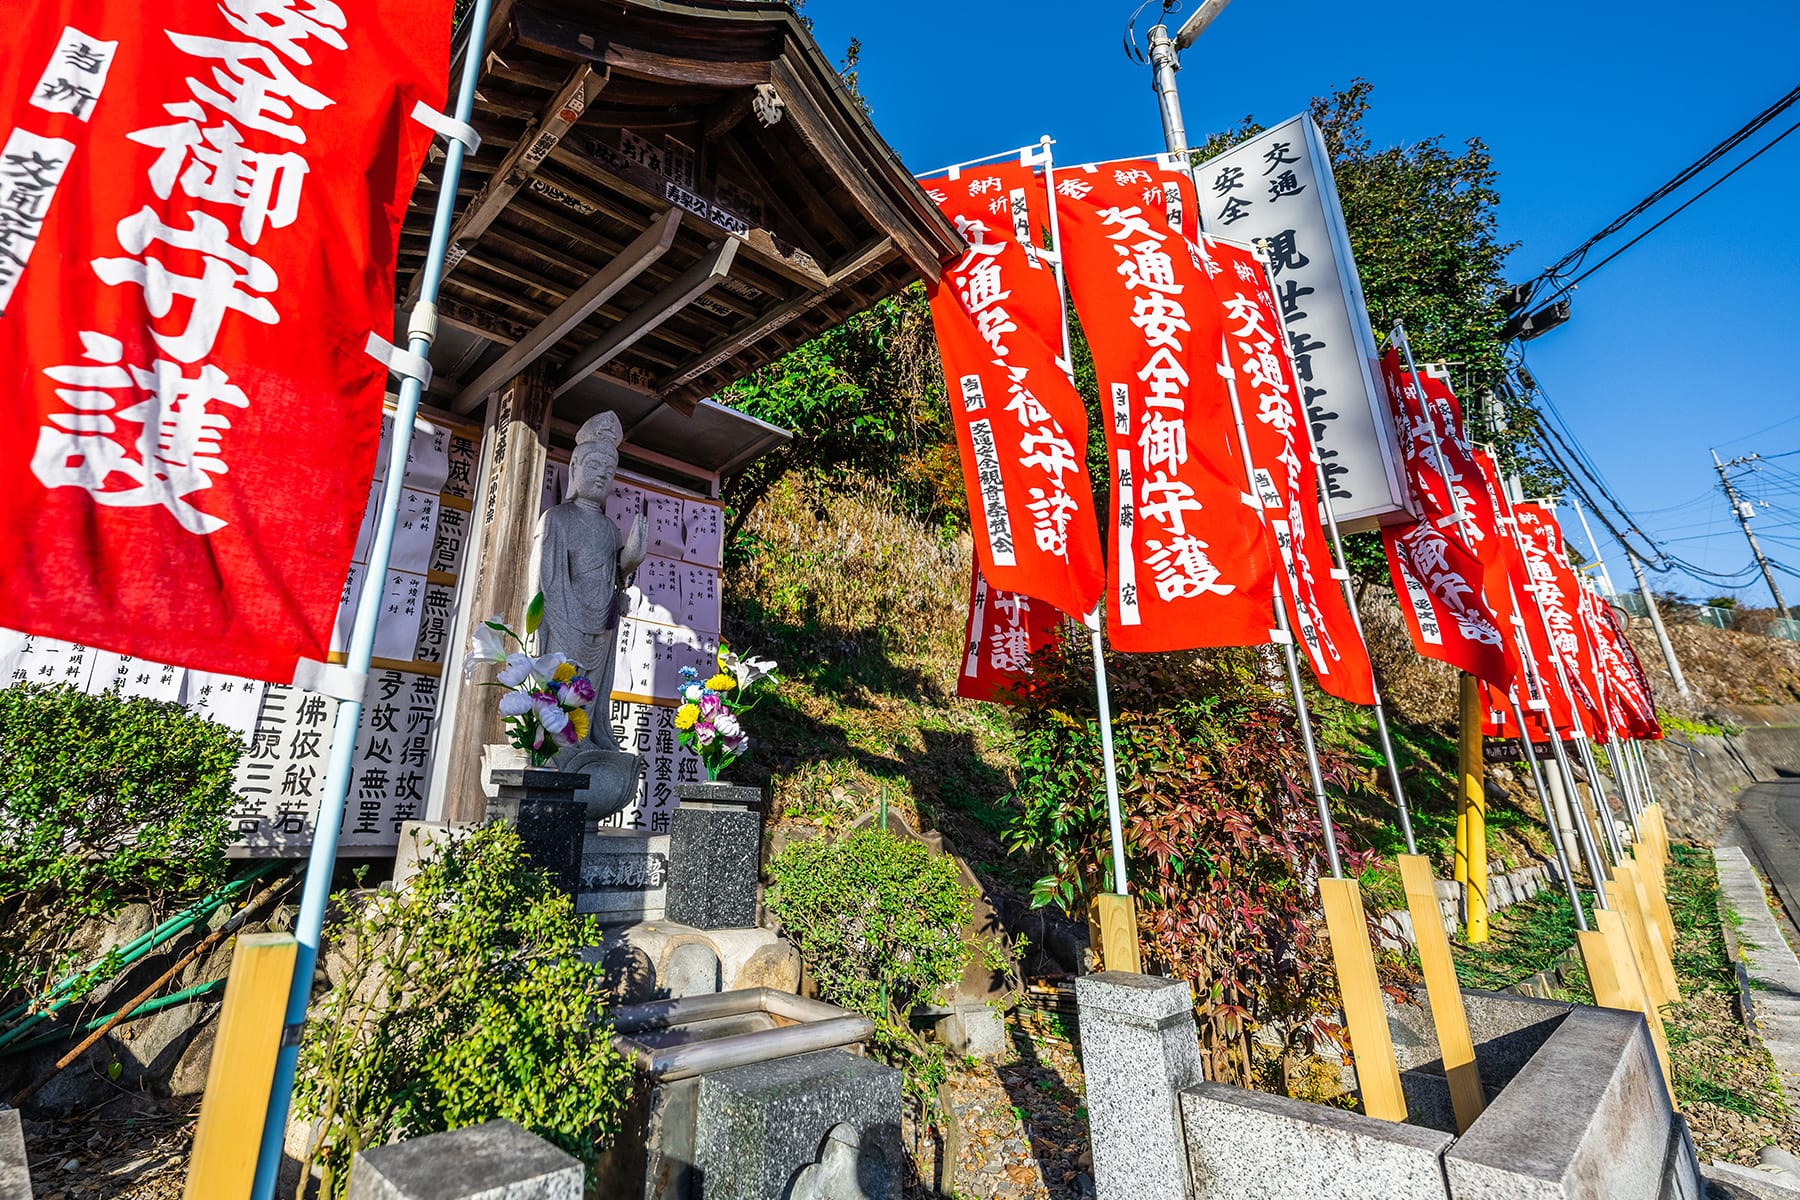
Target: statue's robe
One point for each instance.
(577, 569)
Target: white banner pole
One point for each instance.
(309, 925)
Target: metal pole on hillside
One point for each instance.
(421, 332)
(1605, 575)
(1656, 622)
(1543, 794)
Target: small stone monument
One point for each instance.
(582, 569)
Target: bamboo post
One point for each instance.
(1647, 933)
(1615, 967)
(230, 1128)
(1455, 1045)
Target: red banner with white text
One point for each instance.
(1191, 563)
(1438, 459)
(1021, 427)
(1286, 471)
(1457, 608)
(199, 211)
(1004, 630)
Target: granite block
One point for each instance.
(15, 1172)
(495, 1161)
(1246, 1145)
(761, 1129)
(715, 863)
(1139, 1049)
(624, 877)
(540, 804)
(1614, 1135)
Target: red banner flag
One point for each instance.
(1558, 596)
(1632, 681)
(1534, 685)
(1190, 564)
(201, 209)
(1457, 608)
(1021, 427)
(1438, 460)
(1286, 471)
(1004, 630)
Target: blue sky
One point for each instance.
(1679, 345)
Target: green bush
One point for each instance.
(103, 801)
(879, 921)
(463, 999)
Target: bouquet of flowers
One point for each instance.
(708, 716)
(545, 706)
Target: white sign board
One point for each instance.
(1277, 189)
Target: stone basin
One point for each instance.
(694, 1035)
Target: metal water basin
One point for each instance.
(678, 1039)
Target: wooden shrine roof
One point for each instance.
(668, 194)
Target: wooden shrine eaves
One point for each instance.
(669, 194)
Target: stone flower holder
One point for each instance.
(542, 805)
(715, 856)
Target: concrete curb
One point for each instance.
(1768, 966)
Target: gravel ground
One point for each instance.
(132, 1148)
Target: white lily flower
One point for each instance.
(750, 670)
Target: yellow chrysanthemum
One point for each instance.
(686, 715)
(722, 682)
(564, 673)
(579, 719)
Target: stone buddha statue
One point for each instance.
(582, 566)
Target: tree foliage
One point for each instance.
(1423, 224)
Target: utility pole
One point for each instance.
(1738, 505)
(1656, 621)
(1165, 61)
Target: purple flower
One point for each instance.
(704, 733)
(710, 704)
(576, 693)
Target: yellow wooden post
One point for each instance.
(1377, 1071)
(1118, 933)
(1659, 964)
(223, 1162)
(1624, 986)
(1650, 877)
(1442, 989)
(1474, 807)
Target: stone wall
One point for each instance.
(1698, 778)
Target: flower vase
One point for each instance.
(542, 805)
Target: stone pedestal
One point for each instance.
(541, 805)
(624, 877)
(484, 1162)
(1140, 1049)
(830, 1116)
(715, 857)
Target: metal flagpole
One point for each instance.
(1395, 786)
(1609, 824)
(1543, 794)
(1605, 575)
(309, 925)
(1102, 696)
(1285, 634)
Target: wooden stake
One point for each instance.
(243, 1065)
(1377, 1071)
(1442, 989)
(1658, 963)
(1119, 950)
(1626, 989)
(1474, 807)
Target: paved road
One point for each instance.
(1768, 827)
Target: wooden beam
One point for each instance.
(630, 263)
(701, 278)
(868, 259)
(520, 163)
(808, 115)
(540, 31)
